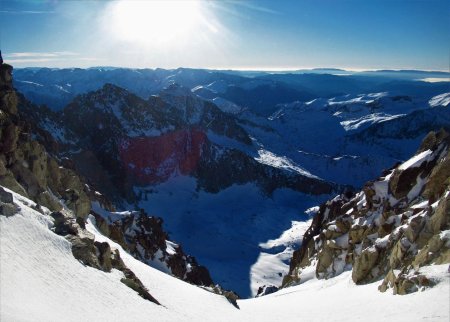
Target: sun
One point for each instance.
(156, 22)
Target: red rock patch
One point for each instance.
(153, 160)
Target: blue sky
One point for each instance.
(272, 34)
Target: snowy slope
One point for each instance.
(339, 299)
(41, 281)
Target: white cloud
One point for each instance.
(35, 55)
(25, 12)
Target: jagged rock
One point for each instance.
(415, 227)
(8, 209)
(9, 137)
(363, 264)
(95, 254)
(74, 194)
(231, 296)
(135, 284)
(49, 201)
(104, 255)
(441, 219)
(6, 76)
(403, 181)
(398, 223)
(3, 170)
(116, 261)
(266, 290)
(404, 284)
(64, 224)
(388, 282)
(83, 249)
(436, 251)
(325, 260)
(143, 237)
(77, 201)
(10, 182)
(199, 275)
(5, 197)
(27, 179)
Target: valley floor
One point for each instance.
(41, 281)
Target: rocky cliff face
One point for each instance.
(387, 231)
(25, 165)
(144, 238)
(29, 170)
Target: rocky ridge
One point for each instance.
(118, 140)
(143, 237)
(389, 230)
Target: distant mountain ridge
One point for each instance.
(57, 87)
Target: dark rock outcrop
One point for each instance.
(143, 237)
(266, 290)
(96, 254)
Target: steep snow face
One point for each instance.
(51, 285)
(42, 281)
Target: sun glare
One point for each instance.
(163, 22)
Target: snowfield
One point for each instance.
(42, 281)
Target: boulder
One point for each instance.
(135, 284)
(266, 290)
(11, 183)
(363, 265)
(84, 250)
(104, 255)
(8, 209)
(5, 197)
(49, 201)
(64, 224)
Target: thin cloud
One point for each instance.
(257, 8)
(33, 60)
(25, 12)
(54, 54)
(30, 60)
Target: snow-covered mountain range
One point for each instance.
(202, 148)
(233, 164)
